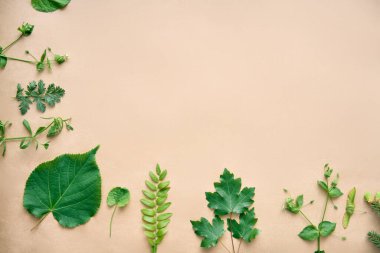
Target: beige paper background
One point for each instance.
(270, 89)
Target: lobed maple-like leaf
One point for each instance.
(229, 198)
(211, 233)
(244, 230)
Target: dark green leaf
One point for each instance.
(326, 228)
(211, 233)
(27, 126)
(228, 198)
(244, 229)
(69, 187)
(49, 5)
(3, 61)
(309, 233)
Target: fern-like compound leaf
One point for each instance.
(374, 238)
(154, 215)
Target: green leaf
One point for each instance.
(374, 238)
(326, 228)
(309, 233)
(335, 192)
(40, 95)
(118, 197)
(3, 61)
(27, 126)
(323, 185)
(228, 198)
(56, 127)
(350, 207)
(155, 221)
(211, 233)
(244, 229)
(49, 5)
(69, 187)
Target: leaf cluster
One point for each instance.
(374, 238)
(54, 128)
(154, 215)
(39, 94)
(228, 199)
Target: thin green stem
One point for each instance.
(232, 239)
(39, 222)
(319, 243)
(311, 223)
(17, 59)
(18, 138)
(326, 202)
(113, 213)
(7, 47)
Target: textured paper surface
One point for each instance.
(271, 90)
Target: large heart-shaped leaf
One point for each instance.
(69, 187)
(49, 5)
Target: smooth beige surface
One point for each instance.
(270, 89)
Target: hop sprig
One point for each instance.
(154, 215)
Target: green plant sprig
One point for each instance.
(229, 199)
(42, 63)
(155, 219)
(314, 232)
(54, 128)
(38, 93)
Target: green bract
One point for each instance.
(118, 197)
(155, 219)
(228, 199)
(49, 5)
(69, 187)
(350, 208)
(26, 29)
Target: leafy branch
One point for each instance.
(231, 201)
(37, 92)
(314, 232)
(44, 61)
(155, 220)
(54, 128)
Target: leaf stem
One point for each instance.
(232, 239)
(239, 245)
(224, 246)
(327, 200)
(39, 222)
(11, 44)
(113, 213)
(17, 59)
(311, 223)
